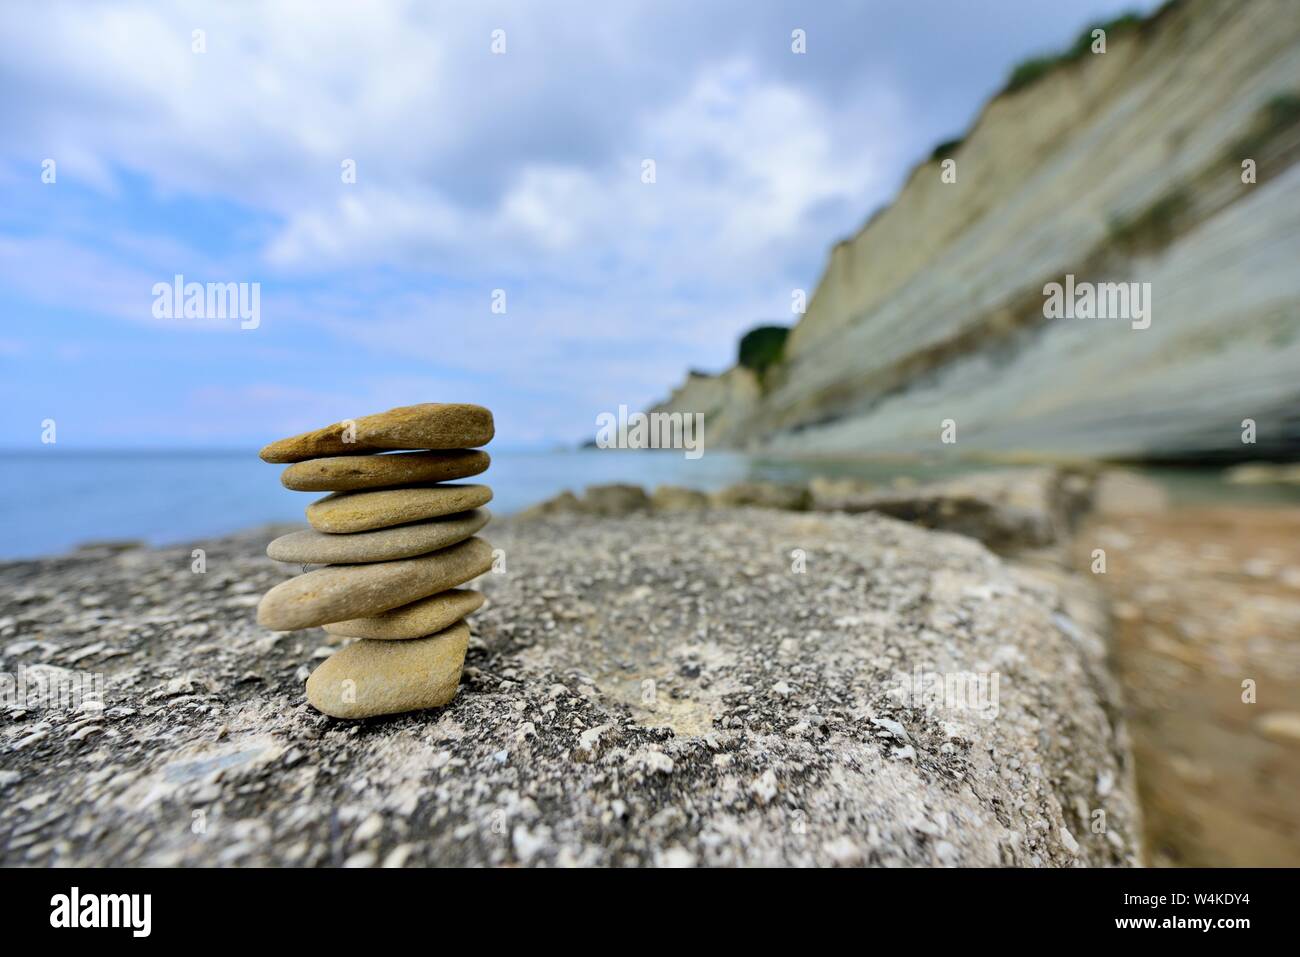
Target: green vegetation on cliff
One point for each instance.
(762, 348)
(1034, 69)
(1277, 116)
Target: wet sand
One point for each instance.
(1205, 598)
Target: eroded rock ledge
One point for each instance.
(1011, 510)
(649, 689)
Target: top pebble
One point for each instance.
(430, 425)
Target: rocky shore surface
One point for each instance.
(1205, 606)
(658, 687)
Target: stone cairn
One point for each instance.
(396, 542)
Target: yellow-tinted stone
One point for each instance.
(430, 425)
(341, 592)
(342, 473)
(383, 508)
(369, 678)
(421, 617)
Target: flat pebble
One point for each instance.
(430, 425)
(342, 592)
(310, 547)
(362, 511)
(369, 678)
(341, 473)
(421, 617)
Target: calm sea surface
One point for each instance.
(51, 501)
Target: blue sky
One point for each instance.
(475, 171)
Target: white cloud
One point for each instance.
(741, 163)
(747, 164)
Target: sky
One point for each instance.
(499, 242)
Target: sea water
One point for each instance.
(53, 500)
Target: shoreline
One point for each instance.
(1249, 484)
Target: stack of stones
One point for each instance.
(396, 542)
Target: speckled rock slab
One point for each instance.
(422, 617)
(657, 689)
(430, 425)
(341, 592)
(370, 678)
(345, 512)
(341, 473)
(310, 547)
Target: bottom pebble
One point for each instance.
(369, 678)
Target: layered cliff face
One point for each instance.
(1122, 167)
(727, 401)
